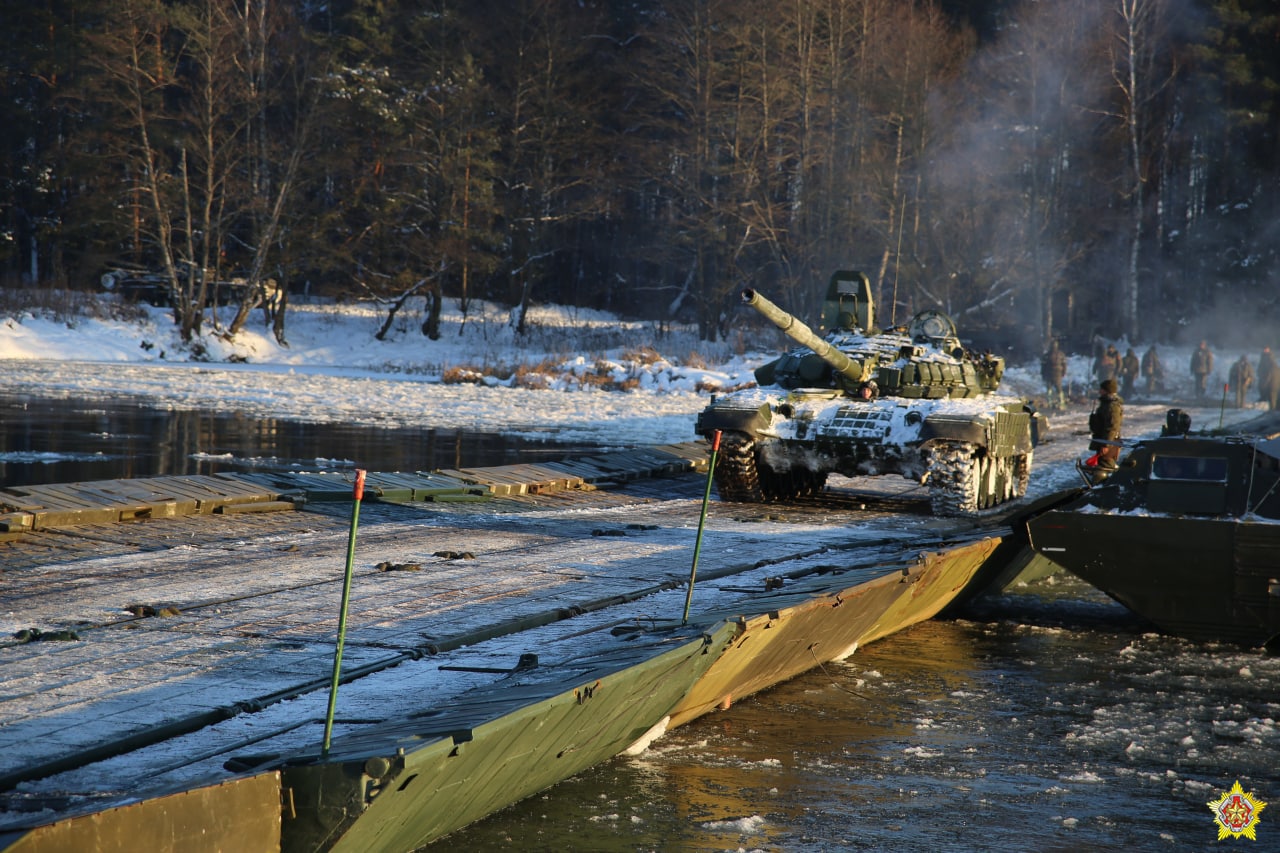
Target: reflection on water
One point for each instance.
(57, 441)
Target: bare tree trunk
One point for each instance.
(1131, 12)
(135, 76)
(267, 233)
(396, 305)
(257, 294)
(1134, 70)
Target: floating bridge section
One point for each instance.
(163, 669)
(30, 508)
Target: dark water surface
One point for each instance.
(59, 441)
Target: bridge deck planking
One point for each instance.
(70, 504)
(256, 604)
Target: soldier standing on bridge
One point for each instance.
(1241, 377)
(1053, 369)
(1105, 423)
(1201, 367)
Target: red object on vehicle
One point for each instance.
(1092, 461)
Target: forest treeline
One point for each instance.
(1060, 167)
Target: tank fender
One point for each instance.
(727, 419)
(953, 429)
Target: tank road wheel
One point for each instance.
(954, 477)
(809, 482)
(737, 476)
(790, 484)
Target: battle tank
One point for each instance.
(859, 401)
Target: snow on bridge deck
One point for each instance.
(142, 654)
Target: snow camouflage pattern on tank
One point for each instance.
(934, 416)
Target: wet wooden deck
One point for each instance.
(24, 508)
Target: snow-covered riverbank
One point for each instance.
(586, 377)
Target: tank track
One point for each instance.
(741, 478)
(953, 479)
(963, 480)
(737, 477)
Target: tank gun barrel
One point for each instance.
(803, 335)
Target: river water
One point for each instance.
(1048, 719)
(66, 441)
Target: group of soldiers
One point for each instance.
(1241, 376)
(1117, 375)
(1109, 364)
(1123, 371)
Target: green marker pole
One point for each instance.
(1222, 410)
(702, 521)
(357, 494)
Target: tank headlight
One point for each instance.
(913, 417)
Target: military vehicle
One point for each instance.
(909, 400)
(1183, 532)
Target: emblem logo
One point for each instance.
(1236, 813)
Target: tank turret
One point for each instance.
(922, 359)
(857, 401)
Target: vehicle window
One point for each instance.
(1200, 468)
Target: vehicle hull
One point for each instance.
(1185, 532)
(1203, 579)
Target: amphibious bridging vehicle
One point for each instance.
(1184, 533)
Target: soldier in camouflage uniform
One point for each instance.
(1053, 369)
(1105, 423)
(1152, 369)
(1201, 367)
(1129, 369)
(1107, 364)
(1240, 377)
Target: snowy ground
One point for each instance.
(576, 376)
(590, 377)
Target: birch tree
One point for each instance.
(1141, 66)
(190, 77)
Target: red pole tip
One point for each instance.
(359, 489)
(715, 441)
